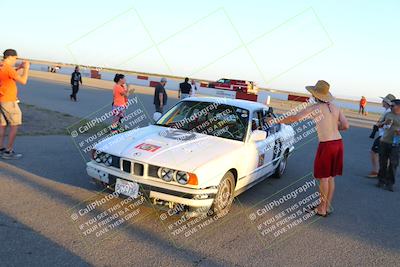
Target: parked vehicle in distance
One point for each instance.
(234, 85)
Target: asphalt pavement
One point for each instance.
(41, 193)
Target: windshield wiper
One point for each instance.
(162, 125)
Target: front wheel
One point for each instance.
(281, 168)
(224, 197)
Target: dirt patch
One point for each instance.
(40, 121)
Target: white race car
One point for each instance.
(200, 154)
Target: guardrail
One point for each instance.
(173, 84)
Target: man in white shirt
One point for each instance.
(194, 88)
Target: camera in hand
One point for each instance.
(374, 130)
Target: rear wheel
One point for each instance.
(224, 197)
(281, 167)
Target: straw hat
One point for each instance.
(321, 91)
(388, 99)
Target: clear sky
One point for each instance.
(352, 44)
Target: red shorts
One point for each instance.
(329, 159)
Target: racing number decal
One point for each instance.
(277, 151)
(261, 159)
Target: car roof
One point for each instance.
(240, 103)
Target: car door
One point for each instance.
(274, 142)
(259, 150)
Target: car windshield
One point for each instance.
(214, 119)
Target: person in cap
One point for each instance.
(389, 147)
(10, 113)
(329, 121)
(386, 102)
(160, 96)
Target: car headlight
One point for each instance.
(166, 174)
(182, 177)
(96, 155)
(101, 157)
(108, 159)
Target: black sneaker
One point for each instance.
(11, 155)
(2, 150)
(390, 187)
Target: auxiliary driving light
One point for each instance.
(109, 160)
(102, 157)
(166, 174)
(97, 155)
(182, 177)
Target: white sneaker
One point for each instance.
(10, 155)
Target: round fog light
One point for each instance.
(182, 177)
(109, 160)
(166, 174)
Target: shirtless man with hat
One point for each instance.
(329, 121)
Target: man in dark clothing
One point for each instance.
(390, 147)
(76, 78)
(160, 96)
(184, 89)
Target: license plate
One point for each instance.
(127, 188)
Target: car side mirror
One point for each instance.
(258, 135)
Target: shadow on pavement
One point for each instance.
(22, 246)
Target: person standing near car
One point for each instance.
(76, 78)
(329, 121)
(10, 113)
(363, 104)
(184, 89)
(389, 147)
(194, 88)
(386, 102)
(120, 101)
(160, 96)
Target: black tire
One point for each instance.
(281, 167)
(224, 197)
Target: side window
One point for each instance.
(256, 121)
(267, 122)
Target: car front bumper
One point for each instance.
(197, 198)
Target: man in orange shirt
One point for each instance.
(363, 104)
(10, 113)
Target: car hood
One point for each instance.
(168, 147)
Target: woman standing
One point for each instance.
(120, 101)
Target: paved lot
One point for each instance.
(39, 193)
